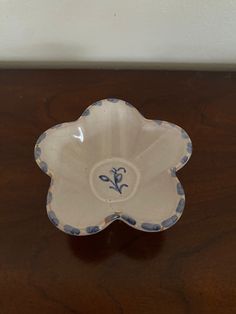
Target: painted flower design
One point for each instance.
(111, 164)
(116, 180)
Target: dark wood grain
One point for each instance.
(189, 268)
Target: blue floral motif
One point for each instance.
(41, 138)
(184, 159)
(86, 112)
(71, 230)
(189, 147)
(129, 219)
(170, 221)
(180, 206)
(49, 197)
(43, 166)
(180, 189)
(150, 227)
(92, 229)
(114, 100)
(37, 152)
(117, 178)
(53, 218)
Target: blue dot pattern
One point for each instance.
(170, 221)
(52, 217)
(184, 134)
(129, 219)
(128, 104)
(184, 159)
(111, 218)
(43, 166)
(92, 229)
(49, 197)
(86, 112)
(189, 147)
(71, 230)
(41, 138)
(114, 100)
(151, 227)
(97, 103)
(37, 152)
(180, 189)
(173, 172)
(180, 206)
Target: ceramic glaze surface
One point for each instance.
(110, 164)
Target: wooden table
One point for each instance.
(189, 268)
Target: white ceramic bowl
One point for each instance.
(110, 164)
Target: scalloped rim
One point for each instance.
(143, 226)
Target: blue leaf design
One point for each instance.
(121, 168)
(118, 178)
(113, 170)
(114, 188)
(104, 178)
(122, 186)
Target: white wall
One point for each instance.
(118, 33)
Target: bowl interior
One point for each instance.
(113, 161)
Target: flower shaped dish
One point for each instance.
(110, 164)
